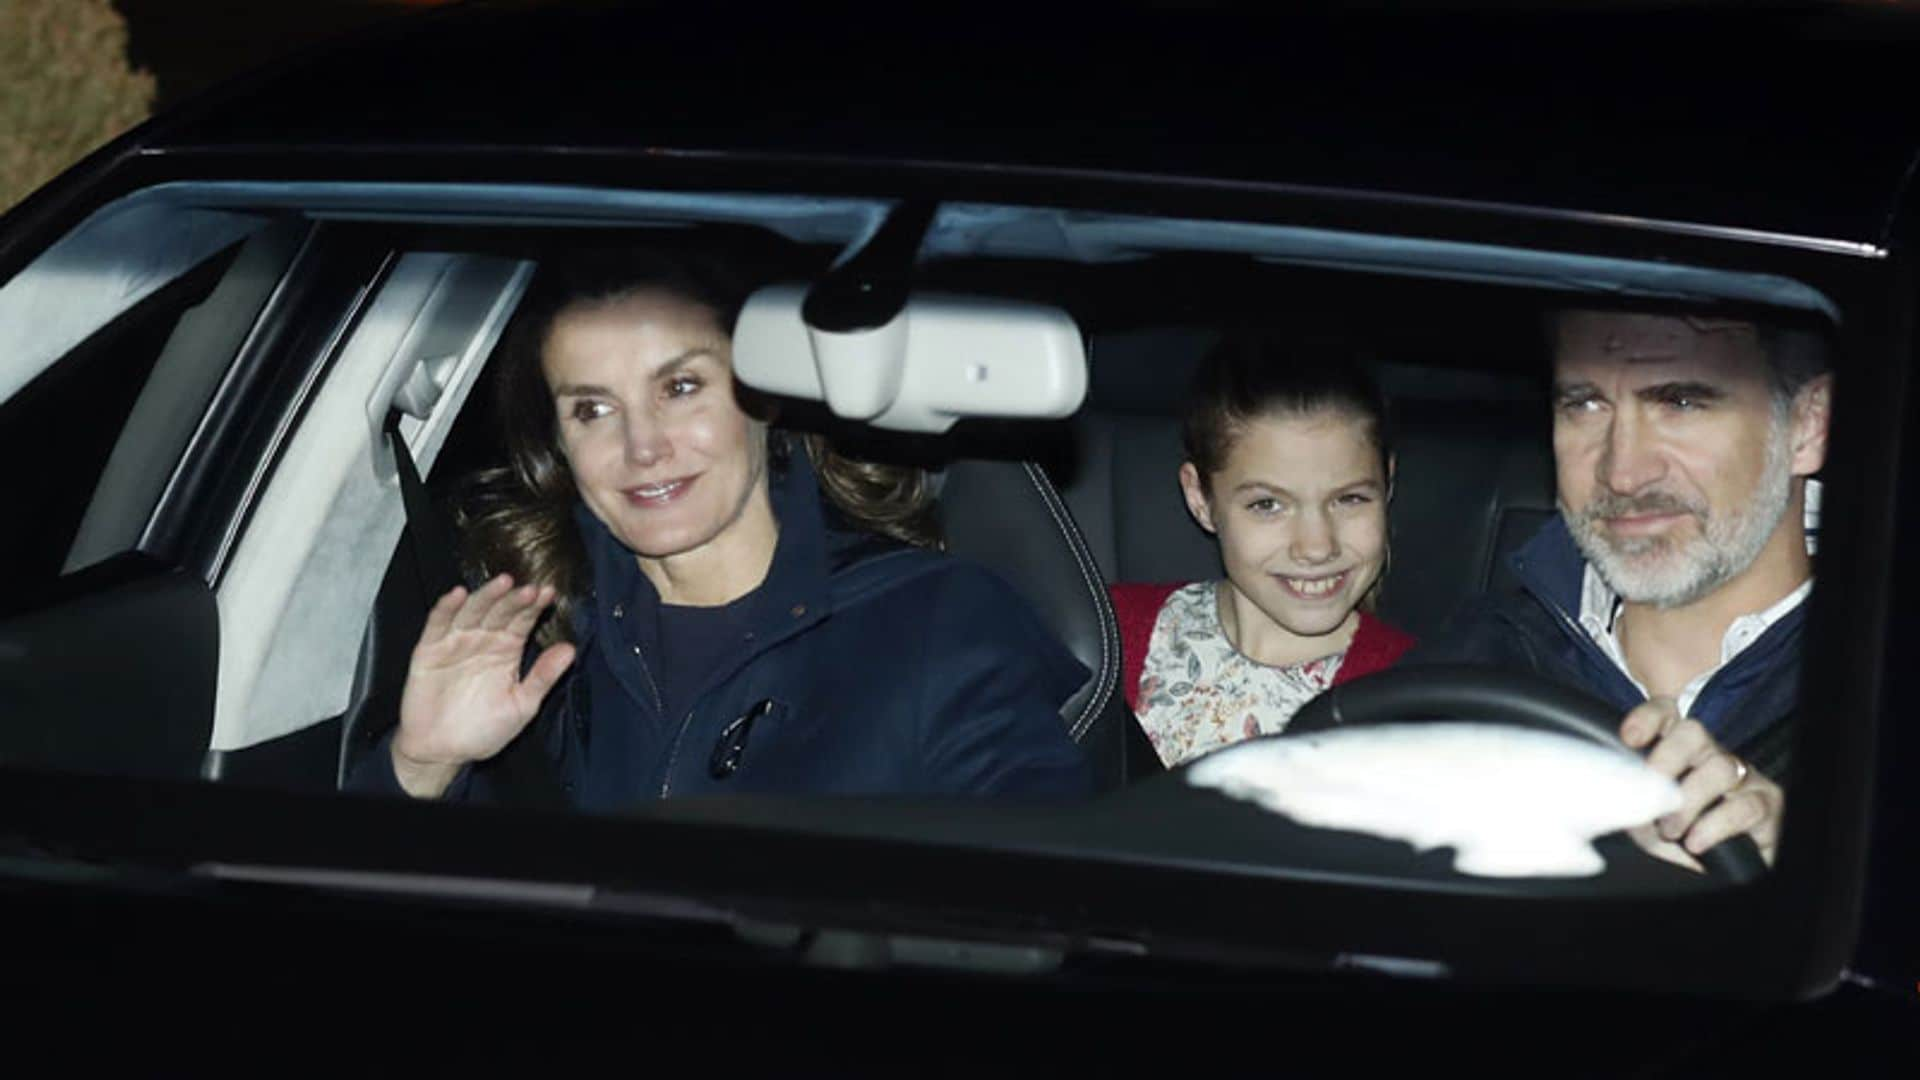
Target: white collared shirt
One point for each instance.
(1600, 616)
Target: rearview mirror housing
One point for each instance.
(943, 358)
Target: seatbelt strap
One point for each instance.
(521, 773)
(432, 541)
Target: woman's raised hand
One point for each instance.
(465, 699)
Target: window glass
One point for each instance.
(1399, 469)
(1573, 467)
(61, 427)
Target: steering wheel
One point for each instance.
(1414, 694)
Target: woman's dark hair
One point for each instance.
(1247, 377)
(518, 518)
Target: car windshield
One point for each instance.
(1358, 557)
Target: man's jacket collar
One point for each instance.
(1552, 570)
(1551, 567)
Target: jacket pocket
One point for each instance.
(763, 728)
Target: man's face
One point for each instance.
(1675, 468)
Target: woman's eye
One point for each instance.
(682, 385)
(587, 410)
(1265, 506)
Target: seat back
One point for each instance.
(1005, 513)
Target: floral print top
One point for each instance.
(1199, 693)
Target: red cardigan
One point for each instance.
(1376, 644)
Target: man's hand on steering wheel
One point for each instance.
(1723, 796)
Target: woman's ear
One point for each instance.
(1197, 502)
(1393, 462)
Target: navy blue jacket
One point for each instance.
(869, 667)
(1747, 705)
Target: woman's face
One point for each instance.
(1300, 510)
(661, 451)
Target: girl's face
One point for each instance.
(1300, 510)
(661, 451)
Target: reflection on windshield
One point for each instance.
(1454, 785)
(673, 585)
(656, 601)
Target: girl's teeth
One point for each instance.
(1319, 587)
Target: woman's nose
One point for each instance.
(647, 441)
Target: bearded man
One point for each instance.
(1674, 582)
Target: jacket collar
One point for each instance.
(1550, 567)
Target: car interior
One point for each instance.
(1061, 508)
(369, 316)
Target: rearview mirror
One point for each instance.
(943, 358)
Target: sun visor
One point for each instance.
(943, 358)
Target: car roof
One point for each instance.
(1791, 121)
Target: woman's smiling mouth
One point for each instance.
(660, 494)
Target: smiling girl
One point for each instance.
(1289, 465)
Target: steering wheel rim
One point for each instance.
(1430, 693)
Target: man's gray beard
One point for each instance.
(1667, 573)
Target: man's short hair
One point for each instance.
(1795, 355)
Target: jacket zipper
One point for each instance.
(659, 703)
(673, 755)
(660, 706)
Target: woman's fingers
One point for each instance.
(462, 626)
(508, 608)
(542, 675)
(474, 611)
(523, 620)
(440, 616)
